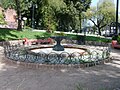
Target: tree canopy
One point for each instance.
(49, 14)
(102, 15)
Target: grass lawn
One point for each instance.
(90, 38)
(7, 34)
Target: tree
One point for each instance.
(7, 3)
(51, 14)
(71, 15)
(49, 9)
(18, 8)
(81, 6)
(101, 16)
(65, 17)
(49, 19)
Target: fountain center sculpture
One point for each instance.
(58, 46)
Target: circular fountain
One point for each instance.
(58, 49)
(58, 54)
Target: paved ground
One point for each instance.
(101, 77)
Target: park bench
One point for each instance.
(115, 44)
(37, 41)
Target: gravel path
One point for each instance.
(100, 77)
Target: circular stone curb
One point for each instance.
(53, 66)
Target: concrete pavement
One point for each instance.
(100, 77)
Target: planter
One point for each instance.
(115, 44)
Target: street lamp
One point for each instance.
(33, 15)
(33, 6)
(117, 4)
(24, 19)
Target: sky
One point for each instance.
(94, 3)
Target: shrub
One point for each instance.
(118, 39)
(26, 28)
(115, 37)
(2, 20)
(60, 34)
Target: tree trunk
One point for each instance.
(99, 31)
(80, 20)
(19, 28)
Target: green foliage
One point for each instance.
(108, 11)
(75, 9)
(2, 20)
(118, 39)
(26, 28)
(60, 34)
(89, 38)
(7, 3)
(49, 20)
(103, 13)
(79, 87)
(52, 15)
(6, 34)
(115, 37)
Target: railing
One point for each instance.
(97, 54)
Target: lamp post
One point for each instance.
(117, 4)
(33, 15)
(24, 18)
(85, 29)
(32, 6)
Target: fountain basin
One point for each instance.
(49, 50)
(44, 54)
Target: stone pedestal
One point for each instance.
(58, 46)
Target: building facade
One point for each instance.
(9, 17)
